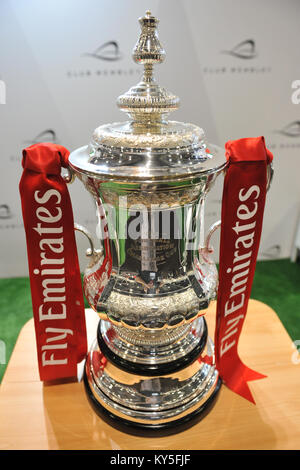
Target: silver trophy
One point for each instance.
(152, 277)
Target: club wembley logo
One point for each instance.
(106, 64)
(288, 137)
(8, 220)
(5, 212)
(48, 135)
(272, 252)
(290, 130)
(109, 51)
(244, 50)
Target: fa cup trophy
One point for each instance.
(152, 364)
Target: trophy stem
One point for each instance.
(149, 358)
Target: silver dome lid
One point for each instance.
(149, 147)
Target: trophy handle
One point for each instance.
(97, 273)
(204, 266)
(207, 249)
(69, 178)
(91, 251)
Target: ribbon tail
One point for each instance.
(238, 382)
(245, 392)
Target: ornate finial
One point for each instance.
(147, 101)
(148, 50)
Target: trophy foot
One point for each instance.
(153, 430)
(168, 400)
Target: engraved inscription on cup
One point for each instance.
(154, 233)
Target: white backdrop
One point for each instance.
(231, 62)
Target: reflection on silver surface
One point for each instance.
(152, 399)
(158, 282)
(154, 347)
(152, 278)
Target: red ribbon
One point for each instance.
(243, 204)
(56, 290)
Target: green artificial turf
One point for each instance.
(276, 282)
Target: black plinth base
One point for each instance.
(152, 430)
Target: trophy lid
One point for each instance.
(149, 147)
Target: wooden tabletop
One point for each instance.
(38, 416)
